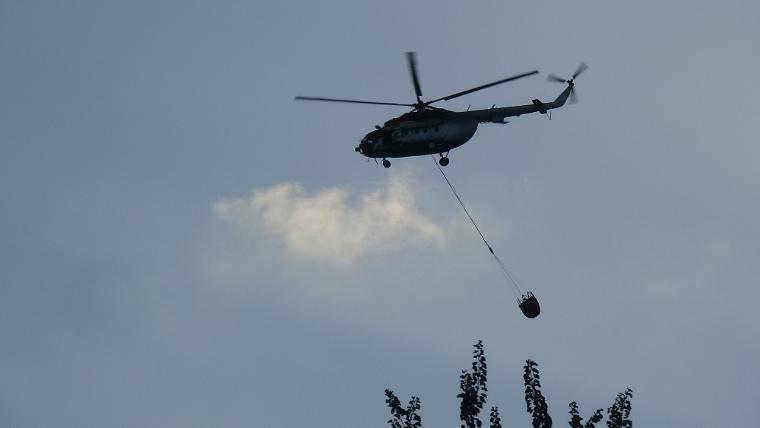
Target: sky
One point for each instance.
(184, 245)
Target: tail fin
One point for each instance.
(562, 98)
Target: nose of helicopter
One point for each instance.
(363, 147)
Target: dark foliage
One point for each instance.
(576, 421)
(620, 411)
(495, 419)
(403, 417)
(473, 395)
(534, 399)
(472, 386)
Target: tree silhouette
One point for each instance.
(495, 419)
(534, 399)
(618, 413)
(473, 389)
(576, 421)
(400, 417)
(473, 395)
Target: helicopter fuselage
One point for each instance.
(424, 134)
(436, 130)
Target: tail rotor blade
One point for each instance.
(573, 97)
(411, 59)
(581, 68)
(554, 78)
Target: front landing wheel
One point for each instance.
(443, 161)
(386, 163)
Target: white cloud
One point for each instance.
(336, 225)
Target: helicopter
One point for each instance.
(427, 130)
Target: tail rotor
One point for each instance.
(571, 81)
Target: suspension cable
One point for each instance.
(504, 270)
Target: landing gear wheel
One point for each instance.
(443, 161)
(386, 163)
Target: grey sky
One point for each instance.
(128, 299)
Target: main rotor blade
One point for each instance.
(411, 59)
(554, 78)
(487, 85)
(338, 100)
(581, 68)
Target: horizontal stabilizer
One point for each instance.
(540, 106)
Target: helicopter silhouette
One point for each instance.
(428, 130)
